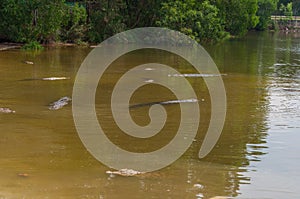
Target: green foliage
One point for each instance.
(106, 20)
(25, 21)
(34, 45)
(289, 9)
(49, 18)
(286, 10)
(93, 21)
(265, 10)
(296, 7)
(284, 2)
(14, 19)
(74, 26)
(238, 15)
(199, 20)
(141, 13)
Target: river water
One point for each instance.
(257, 156)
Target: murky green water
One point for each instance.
(41, 155)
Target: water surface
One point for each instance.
(256, 156)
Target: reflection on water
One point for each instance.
(41, 155)
(274, 60)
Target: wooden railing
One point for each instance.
(293, 18)
(287, 22)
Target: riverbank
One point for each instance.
(286, 24)
(8, 46)
(281, 28)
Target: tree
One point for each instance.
(197, 19)
(106, 19)
(296, 7)
(141, 13)
(26, 21)
(284, 2)
(265, 9)
(74, 23)
(238, 16)
(286, 10)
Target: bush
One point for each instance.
(265, 9)
(238, 16)
(34, 45)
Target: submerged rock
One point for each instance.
(59, 103)
(125, 172)
(6, 110)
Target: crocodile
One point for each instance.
(192, 100)
(46, 78)
(59, 103)
(195, 75)
(125, 172)
(28, 62)
(6, 110)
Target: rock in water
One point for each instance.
(125, 172)
(6, 110)
(59, 103)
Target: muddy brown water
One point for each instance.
(257, 156)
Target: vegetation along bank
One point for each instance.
(38, 22)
